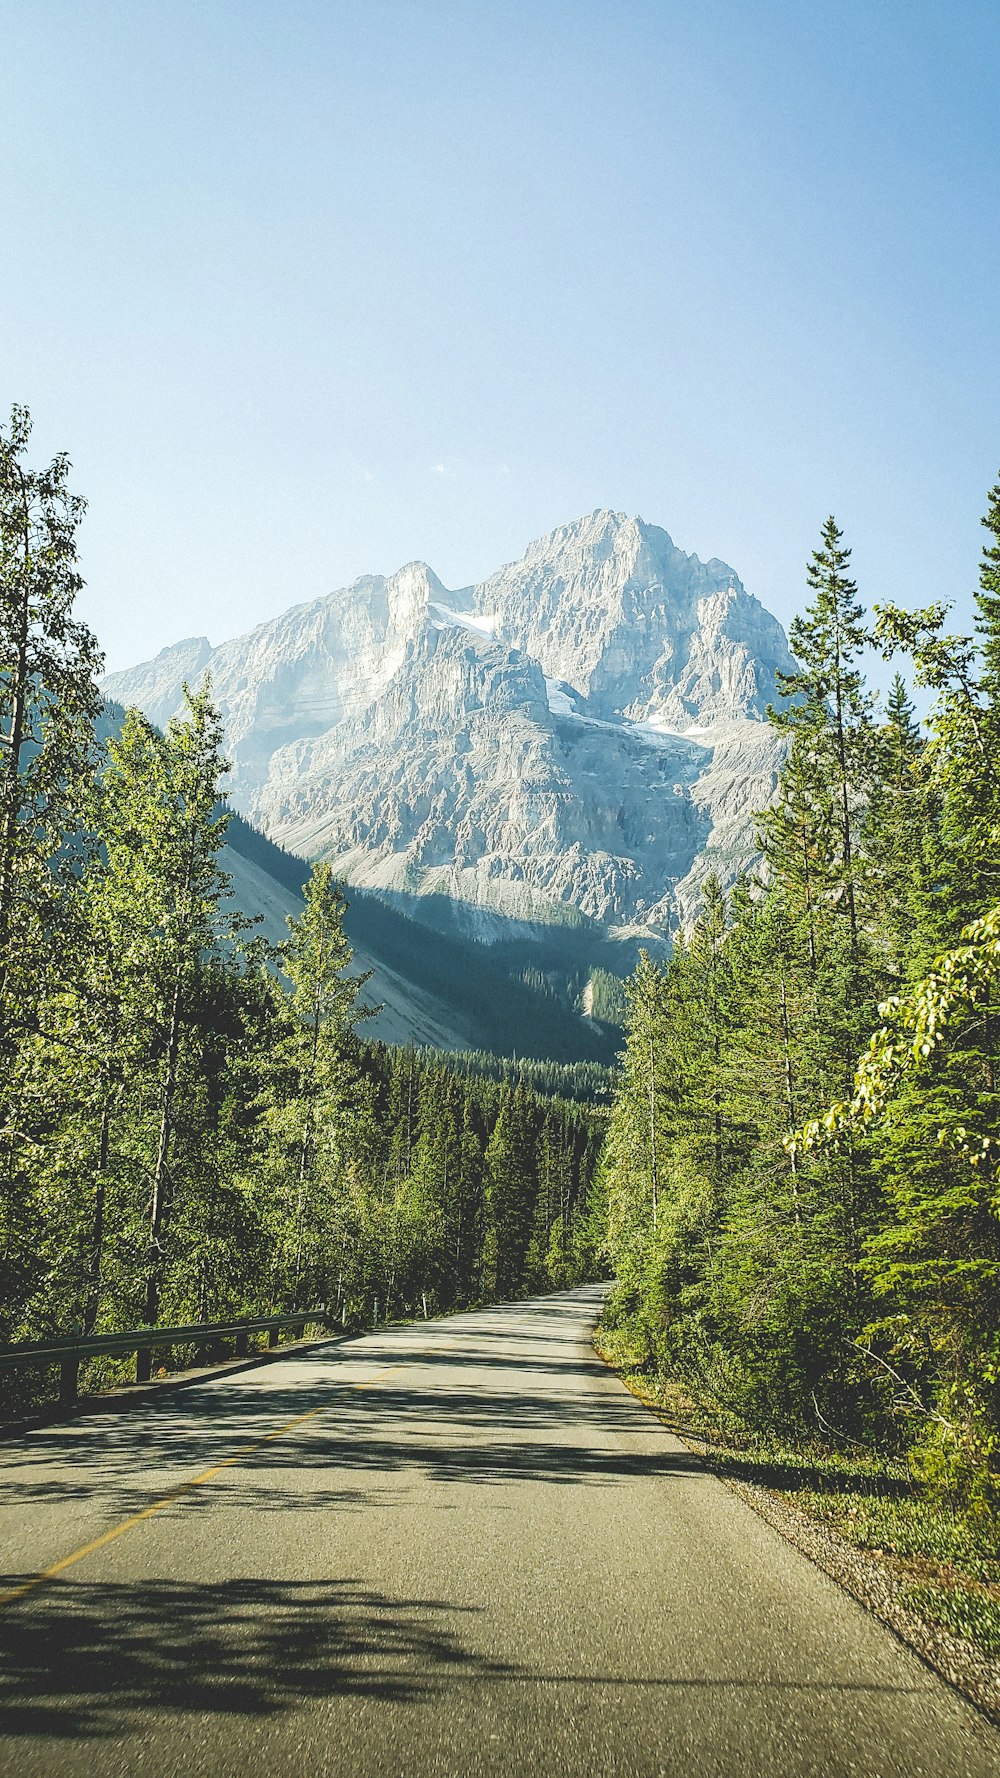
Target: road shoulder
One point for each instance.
(869, 1580)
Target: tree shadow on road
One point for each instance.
(83, 1660)
(98, 1661)
(407, 1433)
(554, 1416)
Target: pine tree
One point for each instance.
(988, 604)
(510, 1194)
(830, 703)
(896, 823)
(797, 835)
(316, 1090)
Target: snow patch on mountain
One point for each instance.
(559, 698)
(446, 619)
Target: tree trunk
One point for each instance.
(845, 814)
(807, 886)
(13, 742)
(159, 1214)
(652, 1134)
(789, 1094)
(92, 1305)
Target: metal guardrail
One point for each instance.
(69, 1351)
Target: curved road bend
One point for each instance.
(470, 1551)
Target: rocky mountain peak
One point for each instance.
(156, 686)
(572, 736)
(611, 607)
(410, 593)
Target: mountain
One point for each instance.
(573, 743)
(442, 991)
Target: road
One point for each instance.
(448, 1549)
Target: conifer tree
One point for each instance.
(830, 705)
(988, 603)
(896, 827)
(316, 1091)
(510, 1193)
(797, 836)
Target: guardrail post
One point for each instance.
(210, 1340)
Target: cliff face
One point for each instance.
(582, 734)
(638, 627)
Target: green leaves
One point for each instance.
(48, 704)
(793, 1226)
(189, 1122)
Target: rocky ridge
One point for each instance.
(579, 738)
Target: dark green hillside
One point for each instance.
(484, 984)
(585, 1082)
(286, 868)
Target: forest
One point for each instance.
(192, 1124)
(795, 1185)
(801, 1172)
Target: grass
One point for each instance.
(966, 1613)
(948, 1561)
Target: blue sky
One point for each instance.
(309, 290)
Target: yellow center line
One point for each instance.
(207, 1475)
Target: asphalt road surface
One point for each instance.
(457, 1548)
